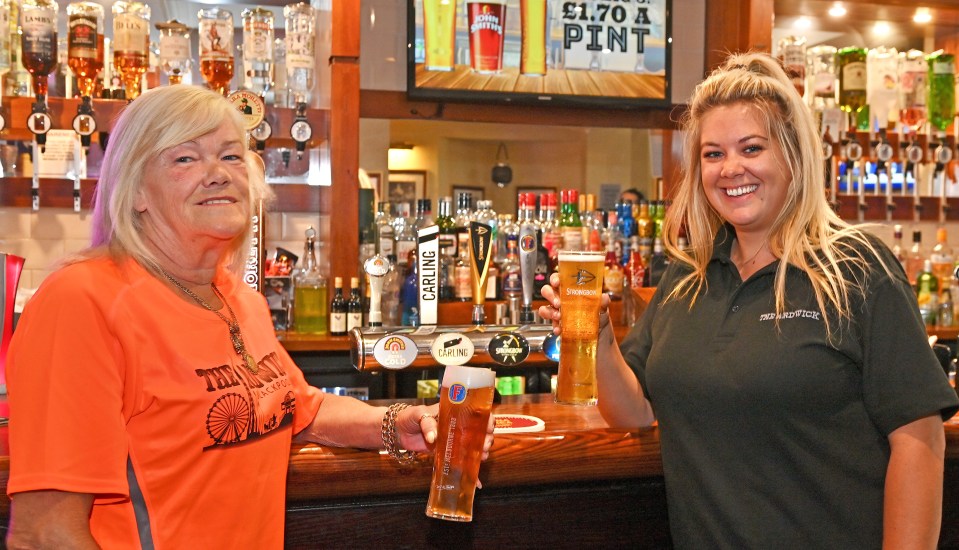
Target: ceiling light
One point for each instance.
(837, 10)
(802, 23)
(881, 28)
(922, 16)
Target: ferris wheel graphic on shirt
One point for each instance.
(233, 419)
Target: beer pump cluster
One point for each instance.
(394, 348)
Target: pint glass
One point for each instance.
(487, 26)
(466, 399)
(580, 288)
(532, 14)
(439, 33)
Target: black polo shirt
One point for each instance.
(777, 438)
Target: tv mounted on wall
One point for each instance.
(589, 53)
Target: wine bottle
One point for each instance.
(852, 85)
(338, 309)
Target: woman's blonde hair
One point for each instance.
(154, 122)
(807, 233)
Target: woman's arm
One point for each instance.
(912, 509)
(621, 399)
(50, 519)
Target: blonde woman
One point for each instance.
(783, 356)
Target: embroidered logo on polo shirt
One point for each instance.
(795, 314)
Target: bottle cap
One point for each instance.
(354, 282)
(338, 282)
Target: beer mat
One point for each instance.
(516, 423)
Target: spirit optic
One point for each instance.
(85, 44)
(131, 35)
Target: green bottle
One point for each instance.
(310, 305)
(852, 84)
(570, 224)
(942, 91)
(927, 293)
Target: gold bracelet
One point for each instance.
(388, 432)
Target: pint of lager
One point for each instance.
(532, 14)
(439, 34)
(580, 289)
(487, 29)
(466, 399)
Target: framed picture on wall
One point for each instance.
(404, 186)
(538, 190)
(478, 193)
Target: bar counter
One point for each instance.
(576, 483)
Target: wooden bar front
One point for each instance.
(578, 484)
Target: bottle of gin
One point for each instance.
(310, 302)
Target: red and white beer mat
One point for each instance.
(516, 423)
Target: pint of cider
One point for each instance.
(439, 33)
(466, 400)
(580, 289)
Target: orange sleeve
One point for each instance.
(65, 379)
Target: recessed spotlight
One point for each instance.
(881, 28)
(837, 9)
(802, 23)
(922, 16)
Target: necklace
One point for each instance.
(235, 335)
(753, 257)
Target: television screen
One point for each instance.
(591, 52)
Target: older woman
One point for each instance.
(798, 401)
(152, 404)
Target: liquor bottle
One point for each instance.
(913, 89)
(942, 92)
(570, 224)
(300, 56)
(38, 23)
(852, 85)
(627, 230)
(898, 249)
(942, 259)
(657, 263)
(464, 215)
(644, 230)
(405, 236)
(485, 214)
(338, 309)
(175, 58)
(310, 291)
(792, 54)
(636, 268)
(85, 44)
(462, 276)
(614, 280)
(424, 214)
(392, 286)
(409, 294)
(544, 267)
(216, 47)
(882, 83)
(354, 308)
(447, 245)
(5, 42)
(927, 293)
(507, 229)
(946, 315)
(131, 38)
(592, 225)
(257, 49)
(612, 237)
(384, 230)
(915, 258)
(821, 78)
(512, 278)
(549, 226)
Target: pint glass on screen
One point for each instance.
(439, 33)
(532, 14)
(466, 399)
(487, 27)
(580, 289)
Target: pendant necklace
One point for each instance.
(235, 336)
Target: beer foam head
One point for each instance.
(471, 377)
(581, 256)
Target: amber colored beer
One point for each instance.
(532, 15)
(439, 34)
(487, 27)
(466, 400)
(580, 289)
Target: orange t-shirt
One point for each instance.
(120, 388)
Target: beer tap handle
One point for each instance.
(376, 267)
(943, 156)
(480, 246)
(527, 266)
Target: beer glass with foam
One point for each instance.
(466, 400)
(580, 288)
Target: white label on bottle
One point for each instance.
(299, 51)
(130, 34)
(943, 67)
(854, 76)
(354, 320)
(338, 322)
(257, 41)
(572, 238)
(174, 48)
(216, 40)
